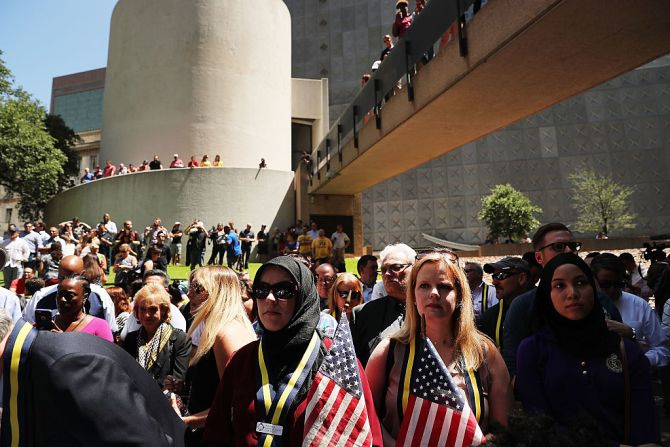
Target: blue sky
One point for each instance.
(42, 39)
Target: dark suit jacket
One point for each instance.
(172, 359)
(84, 391)
(372, 321)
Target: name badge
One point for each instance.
(269, 429)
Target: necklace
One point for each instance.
(70, 328)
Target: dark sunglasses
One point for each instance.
(560, 246)
(355, 295)
(503, 275)
(450, 255)
(611, 284)
(284, 290)
(196, 288)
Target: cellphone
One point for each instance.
(43, 319)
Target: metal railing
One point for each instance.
(428, 27)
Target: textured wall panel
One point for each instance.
(621, 128)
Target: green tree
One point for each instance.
(30, 164)
(508, 213)
(64, 140)
(602, 205)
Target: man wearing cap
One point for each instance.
(18, 252)
(403, 19)
(176, 162)
(510, 279)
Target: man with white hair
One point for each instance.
(373, 321)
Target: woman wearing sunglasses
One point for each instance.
(574, 366)
(262, 397)
(438, 293)
(345, 294)
(220, 327)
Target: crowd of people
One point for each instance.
(110, 169)
(242, 361)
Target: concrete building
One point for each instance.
(620, 128)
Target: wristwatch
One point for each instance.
(634, 336)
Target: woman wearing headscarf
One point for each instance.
(248, 407)
(575, 367)
(438, 293)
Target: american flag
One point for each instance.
(336, 413)
(437, 414)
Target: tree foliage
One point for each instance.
(602, 205)
(508, 213)
(30, 164)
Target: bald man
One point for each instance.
(99, 304)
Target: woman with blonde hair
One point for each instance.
(345, 294)
(158, 347)
(220, 327)
(438, 292)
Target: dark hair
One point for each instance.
(593, 254)
(477, 266)
(608, 261)
(156, 272)
(626, 257)
(363, 261)
(529, 257)
(92, 270)
(85, 283)
(538, 237)
(33, 285)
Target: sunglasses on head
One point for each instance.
(284, 290)
(450, 255)
(611, 284)
(560, 246)
(355, 295)
(503, 275)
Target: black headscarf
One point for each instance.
(283, 349)
(586, 338)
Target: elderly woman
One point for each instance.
(72, 295)
(158, 347)
(438, 292)
(286, 358)
(220, 327)
(575, 366)
(345, 294)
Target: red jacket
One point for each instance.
(232, 417)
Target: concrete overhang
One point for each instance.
(524, 56)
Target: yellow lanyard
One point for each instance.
(499, 323)
(267, 399)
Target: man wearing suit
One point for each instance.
(373, 321)
(77, 389)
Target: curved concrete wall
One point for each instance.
(211, 194)
(199, 76)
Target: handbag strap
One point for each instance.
(626, 384)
